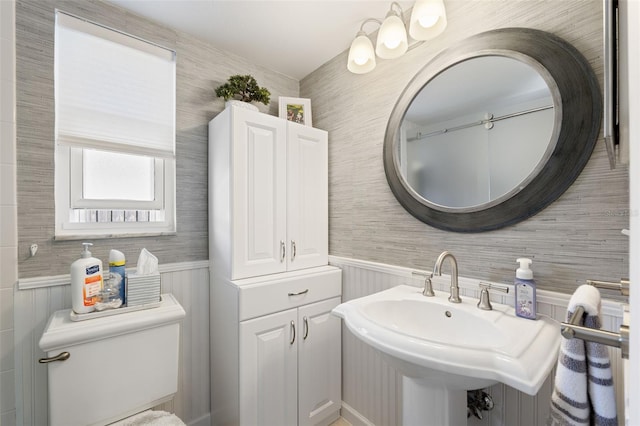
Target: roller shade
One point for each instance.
(113, 91)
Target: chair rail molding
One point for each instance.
(65, 279)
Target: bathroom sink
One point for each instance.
(454, 346)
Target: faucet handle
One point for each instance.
(428, 287)
(484, 303)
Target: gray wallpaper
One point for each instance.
(576, 238)
(200, 68)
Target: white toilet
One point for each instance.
(117, 365)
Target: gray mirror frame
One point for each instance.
(578, 112)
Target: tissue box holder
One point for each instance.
(143, 289)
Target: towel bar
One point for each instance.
(622, 286)
(571, 330)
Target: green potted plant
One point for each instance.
(242, 90)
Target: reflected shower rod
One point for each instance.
(488, 122)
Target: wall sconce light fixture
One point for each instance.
(392, 35)
(362, 59)
(428, 20)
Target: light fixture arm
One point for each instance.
(399, 7)
(366, 21)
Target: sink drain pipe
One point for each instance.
(477, 402)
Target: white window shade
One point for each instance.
(121, 99)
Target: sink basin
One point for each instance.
(454, 346)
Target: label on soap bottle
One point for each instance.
(92, 285)
(525, 300)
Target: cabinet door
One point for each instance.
(259, 194)
(268, 369)
(307, 197)
(319, 362)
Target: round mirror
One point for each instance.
(492, 130)
(476, 133)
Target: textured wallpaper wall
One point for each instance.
(576, 238)
(200, 68)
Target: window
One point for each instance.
(115, 132)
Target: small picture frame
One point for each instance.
(295, 109)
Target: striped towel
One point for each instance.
(583, 392)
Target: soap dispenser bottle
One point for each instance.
(86, 281)
(525, 290)
(117, 266)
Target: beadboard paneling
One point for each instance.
(200, 68)
(372, 390)
(34, 307)
(575, 238)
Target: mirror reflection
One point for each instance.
(476, 133)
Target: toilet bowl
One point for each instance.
(117, 366)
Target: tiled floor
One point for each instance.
(340, 422)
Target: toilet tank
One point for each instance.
(119, 365)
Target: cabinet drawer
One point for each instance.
(286, 291)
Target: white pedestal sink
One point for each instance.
(444, 349)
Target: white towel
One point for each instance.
(583, 392)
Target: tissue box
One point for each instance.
(143, 289)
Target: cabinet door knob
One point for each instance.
(293, 333)
(293, 250)
(283, 251)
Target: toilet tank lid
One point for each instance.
(60, 332)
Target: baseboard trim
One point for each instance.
(202, 421)
(351, 415)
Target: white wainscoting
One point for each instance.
(34, 303)
(372, 390)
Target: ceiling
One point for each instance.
(293, 37)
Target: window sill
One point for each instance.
(88, 236)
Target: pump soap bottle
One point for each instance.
(86, 281)
(525, 290)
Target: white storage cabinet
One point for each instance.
(268, 195)
(275, 347)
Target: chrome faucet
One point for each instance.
(455, 290)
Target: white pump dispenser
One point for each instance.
(525, 290)
(524, 272)
(86, 281)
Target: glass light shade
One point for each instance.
(428, 19)
(392, 37)
(361, 56)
